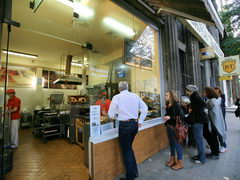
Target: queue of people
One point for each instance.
(205, 117)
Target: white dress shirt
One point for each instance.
(127, 105)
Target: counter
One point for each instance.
(106, 162)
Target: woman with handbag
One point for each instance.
(173, 109)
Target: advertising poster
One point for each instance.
(18, 76)
(140, 53)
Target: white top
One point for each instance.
(127, 105)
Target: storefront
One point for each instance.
(66, 55)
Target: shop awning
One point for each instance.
(197, 10)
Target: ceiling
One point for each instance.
(52, 31)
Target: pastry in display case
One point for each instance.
(152, 100)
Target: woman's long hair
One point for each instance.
(211, 93)
(219, 90)
(173, 98)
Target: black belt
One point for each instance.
(129, 120)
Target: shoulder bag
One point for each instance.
(181, 130)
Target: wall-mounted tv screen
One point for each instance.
(121, 74)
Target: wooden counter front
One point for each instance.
(106, 156)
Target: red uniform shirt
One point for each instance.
(12, 103)
(103, 106)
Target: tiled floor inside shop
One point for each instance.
(55, 160)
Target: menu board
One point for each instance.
(95, 120)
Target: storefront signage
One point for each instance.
(95, 120)
(207, 53)
(223, 78)
(203, 35)
(100, 73)
(229, 66)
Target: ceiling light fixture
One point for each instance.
(76, 64)
(119, 27)
(20, 54)
(81, 10)
(67, 3)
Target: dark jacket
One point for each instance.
(197, 105)
(237, 103)
(173, 111)
(223, 106)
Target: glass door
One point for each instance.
(6, 23)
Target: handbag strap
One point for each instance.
(178, 120)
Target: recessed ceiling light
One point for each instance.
(20, 54)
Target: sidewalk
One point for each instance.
(226, 168)
(231, 108)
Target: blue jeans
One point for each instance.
(198, 137)
(174, 144)
(127, 133)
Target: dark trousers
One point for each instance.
(211, 138)
(197, 130)
(191, 141)
(222, 143)
(127, 133)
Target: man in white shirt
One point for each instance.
(125, 108)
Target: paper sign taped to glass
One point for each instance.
(229, 66)
(94, 120)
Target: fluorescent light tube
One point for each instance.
(119, 27)
(81, 10)
(21, 54)
(76, 64)
(67, 3)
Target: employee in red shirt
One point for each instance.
(104, 104)
(13, 107)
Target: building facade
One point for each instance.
(155, 45)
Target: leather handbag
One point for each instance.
(181, 130)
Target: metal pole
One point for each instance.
(5, 100)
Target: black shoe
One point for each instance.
(135, 176)
(211, 156)
(194, 158)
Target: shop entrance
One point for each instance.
(66, 56)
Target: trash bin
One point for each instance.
(7, 161)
